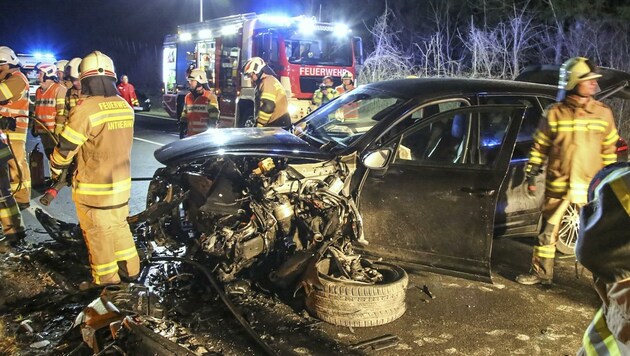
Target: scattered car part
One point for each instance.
(378, 343)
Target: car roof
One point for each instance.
(435, 87)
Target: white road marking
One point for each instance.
(148, 141)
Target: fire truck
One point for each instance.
(299, 49)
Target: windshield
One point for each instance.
(347, 118)
(321, 47)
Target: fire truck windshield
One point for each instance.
(321, 47)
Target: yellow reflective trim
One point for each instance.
(103, 188)
(105, 185)
(545, 252)
(126, 254)
(5, 91)
(535, 160)
(268, 96)
(105, 268)
(73, 136)
(620, 187)
(608, 156)
(16, 136)
(535, 154)
(59, 160)
(9, 212)
(111, 115)
(558, 184)
(23, 184)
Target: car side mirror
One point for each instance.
(376, 159)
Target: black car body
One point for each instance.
(437, 165)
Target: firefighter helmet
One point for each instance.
(73, 67)
(575, 70)
(7, 56)
(61, 65)
(96, 63)
(253, 66)
(199, 75)
(49, 69)
(347, 75)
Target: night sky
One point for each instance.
(73, 28)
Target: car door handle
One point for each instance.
(477, 191)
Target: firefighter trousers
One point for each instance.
(545, 251)
(10, 215)
(19, 172)
(111, 249)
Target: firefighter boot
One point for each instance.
(542, 259)
(10, 241)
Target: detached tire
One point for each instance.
(568, 230)
(349, 303)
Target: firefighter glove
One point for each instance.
(7, 123)
(58, 129)
(55, 173)
(531, 185)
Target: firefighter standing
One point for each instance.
(128, 91)
(578, 136)
(271, 103)
(325, 92)
(61, 70)
(99, 132)
(13, 110)
(347, 83)
(50, 106)
(201, 109)
(14, 98)
(603, 246)
(74, 92)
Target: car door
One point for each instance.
(432, 204)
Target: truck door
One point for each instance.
(228, 73)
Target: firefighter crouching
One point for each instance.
(603, 246)
(201, 108)
(99, 132)
(14, 123)
(271, 104)
(13, 107)
(578, 136)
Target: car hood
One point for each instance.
(239, 141)
(613, 82)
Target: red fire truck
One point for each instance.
(299, 49)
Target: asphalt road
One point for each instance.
(463, 317)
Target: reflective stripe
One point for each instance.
(536, 157)
(609, 158)
(5, 91)
(9, 212)
(126, 254)
(73, 136)
(597, 339)
(621, 188)
(58, 160)
(103, 188)
(611, 138)
(111, 115)
(268, 96)
(546, 251)
(542, 139)
(16, 136)
(24, 184)
(105, 269)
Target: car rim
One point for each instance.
(569, 226)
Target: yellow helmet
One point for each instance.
(96, 63)
(61, 65)
(199, 75)
(73, 67)
(253, 66)
(575, 70)
(7, 56)
(347, 75)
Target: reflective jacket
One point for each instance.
(578, 140)
(72, 98)
(201, 112)
(603, 247)
(272, 105)
(14, 103)
(99, 132)
(128, 92)
(320, 99)
(50, 107)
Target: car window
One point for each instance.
(492, 130)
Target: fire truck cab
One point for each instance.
(299, 49)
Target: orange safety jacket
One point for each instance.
(99, 131)
(14, 103)
(50, 106)
(578, 141)
(197, 112)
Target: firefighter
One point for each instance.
(14, 104)
(61, 70)
(128, 91)
(99, 133)
(13, 112)
(50, 106)
(271, 103)
(325, 92)
(603, 246)
(201, 109)
(74, 92)
(577, 135)
(347, 83)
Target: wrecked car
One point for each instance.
(421, 171)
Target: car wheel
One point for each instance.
(351, 303)
(568, 230)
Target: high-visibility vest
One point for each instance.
(196, 111)
(49, 104)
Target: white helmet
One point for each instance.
(347, 75)
(253, 66)
(97, 63)
(73, 67)
(49, 69)
(61, 65)
(199, 75)
(7, 56)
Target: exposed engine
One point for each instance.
(242, 211)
